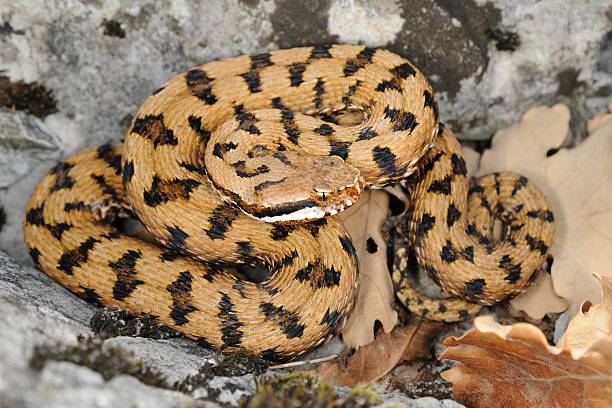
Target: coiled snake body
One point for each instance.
(222, 162)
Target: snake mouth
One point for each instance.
(319, 205)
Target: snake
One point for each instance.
(235, 165)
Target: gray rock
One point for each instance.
(63, 384)
(175, 359)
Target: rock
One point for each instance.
(64, 384)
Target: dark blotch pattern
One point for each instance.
(34, 216)
(242, 171)
(153, 128)
(331, 319)
(430, 102)
(536, 244)
(265, 184)
(62, 179)
(441, 186)
(261, 61)
(112, 158)
(427, 223)
(513, 269)
(252, 80)
(520, 183)
(35, 255)
(404, 70)
(319, 91)
(321, 51)
(200, 85)
(58, 229)
(364, 58)
(162, 191)
(385, 159)
(281, 231)
(180, 291)
(367, 133)
(221, 221)
(544, 215)
(347, 246)
(452, 215)
(291, 128)
(296, 73)
(177, 237)
(405, 121)
(448, 253)
(459, 167)
(90, 296)
(76, 257)
(324, 130)
(128, 172)
(474, 288)
(340, 149)
(125, 269)
(104, 186)
(195, 123)
(315, 225)
(288, 321)
(230, 325)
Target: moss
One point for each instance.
(32, 98)
(297, 390)
(108, 361)
(240, 363)
(113, 322)
(362, 396)
(232, 365)
(504, 40)
(438, 389)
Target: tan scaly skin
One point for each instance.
(453, 236)
(236, 133)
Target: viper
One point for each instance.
(232, 166)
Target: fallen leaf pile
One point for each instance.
(503, 366)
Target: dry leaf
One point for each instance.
(578, 183)
(364, 221)
(540, 299)
(375, 360)
(513, 366)
(591, 323)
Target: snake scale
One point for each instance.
(228, 166)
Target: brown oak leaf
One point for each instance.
(513, 366)
(375, 360)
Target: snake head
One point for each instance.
(315, 187)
